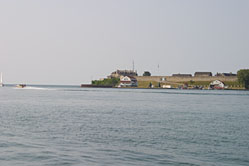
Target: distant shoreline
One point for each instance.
(161, 88)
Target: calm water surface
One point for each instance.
(143, 127)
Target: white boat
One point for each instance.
(1, 80)
(21, 85)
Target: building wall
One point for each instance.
(185, 79)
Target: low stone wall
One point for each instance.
(185, 79)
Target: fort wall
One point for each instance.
(186, 79)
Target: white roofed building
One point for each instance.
(216, 85)
(126, 81)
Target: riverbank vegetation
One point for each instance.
(243, 77)
(106, 82)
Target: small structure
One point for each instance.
(167, 86)
(119, 73)
(216, 85)
(126, 81)
(182, 75)
(203, 74)
(163, 79)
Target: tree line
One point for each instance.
(243, 77)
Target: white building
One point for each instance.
(126, 81)
(216, 85)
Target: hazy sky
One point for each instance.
(75, 41)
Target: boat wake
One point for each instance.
(33, 88)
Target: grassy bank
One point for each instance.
(145, 84)
(205, 84)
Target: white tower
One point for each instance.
(1, 80)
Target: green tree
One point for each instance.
(106, 82)
(150, 85)
(243, 77)
(147, 73)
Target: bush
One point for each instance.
(147, 73)
(106, 82)
(243, 77)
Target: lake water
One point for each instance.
(142, 127)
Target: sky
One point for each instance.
(76, 41)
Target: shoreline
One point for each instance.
(166, 88)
